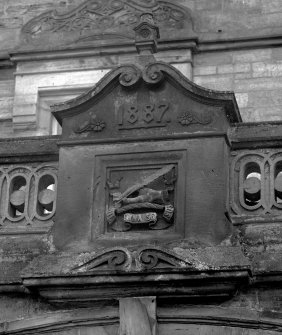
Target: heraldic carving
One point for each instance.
(148, 204)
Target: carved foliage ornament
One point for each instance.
(189, 117)
(146, 258)
(92, 124)
(112, 16)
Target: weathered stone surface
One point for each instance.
(209, 59)
(271, 6)
(6, 128)
(7, 88)
(19, 306)
(6, 107)
(218, 82)
(242, 99)
(256, 114)
(138, 316)
(208, 320)
(236, 68)
(252, 55)
(98, 320)
(267, 69)
(255, 74)
(204, 70)
(258, 84)
(109, 22)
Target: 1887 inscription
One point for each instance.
(144, 116)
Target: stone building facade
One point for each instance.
(150, 201)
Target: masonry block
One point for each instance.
(257, 84)
(252, 55)
(261, 69)
(242, 99)
(215, 82)
(204, 70)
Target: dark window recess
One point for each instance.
(46, 195)
(17, 196)
(252, 184)
(278, 182)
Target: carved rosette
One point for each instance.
(93, 123)
(188, 118)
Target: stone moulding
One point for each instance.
(215, 272)
(121, 259)
(214, 316)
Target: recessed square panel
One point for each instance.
(139, 195)
(140, 198)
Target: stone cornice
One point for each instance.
(204, 43)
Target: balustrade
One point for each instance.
(28, 185)
(256, 175)
(28, 179)
(28, 193)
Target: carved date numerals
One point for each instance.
(145, 116)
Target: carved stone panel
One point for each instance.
(139, 194)
(96, 20)
(157, 101)
(145, 151)
(140, 198)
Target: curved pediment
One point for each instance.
(156, 100)
(107, 20)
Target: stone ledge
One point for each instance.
(215, 272)
(29, 149)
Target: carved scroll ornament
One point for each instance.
(145, 258)
(110, 259)
(109, 17)
(150, 258)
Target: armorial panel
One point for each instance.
(128, 188)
